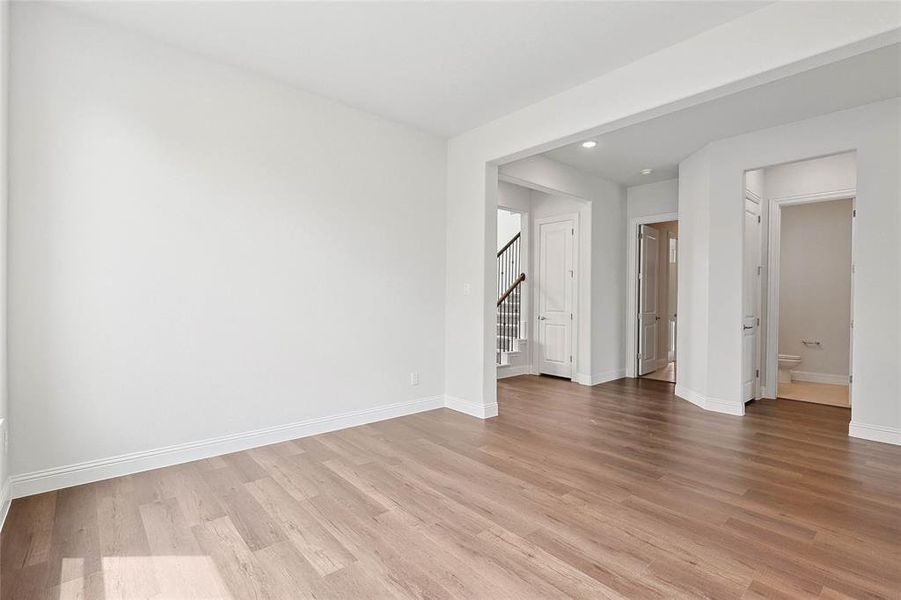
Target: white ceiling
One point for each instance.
(441, 66)
(663, 142)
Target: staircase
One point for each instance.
(509, 303)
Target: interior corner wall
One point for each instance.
(660, 197)
(871, 130)
(4, 184)
(201, 254)
(693, 277)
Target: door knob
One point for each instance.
(542, 318)
(747, 327)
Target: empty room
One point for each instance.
(482, 300)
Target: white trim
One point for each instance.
(812, 377)
(598, 378)
(573, 218)
(773, 234)
(875, 433)
(105, 468)
(710, 404)
(632, 281)
(473, 409)
(5, 502)
(504, 371)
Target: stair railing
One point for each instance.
(509, 280)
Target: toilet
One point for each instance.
(787, 362)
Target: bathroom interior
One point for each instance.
(807, 216)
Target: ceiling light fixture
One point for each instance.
(589, 144)
(647, 171)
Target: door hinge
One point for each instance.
(854, 213)
(758, 218)
(850, 378)
(573, 231)
(570, 358)
(570, 316)
(759, 269)
(757, 373)
(852, 323)
(758, 321)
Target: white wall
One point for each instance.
(658, 198)
(871, 130)
(513, 197)
(772, 42)
(602, 242)
(197, 251)
(508, 225)
(815, 286)
(826, 174)
(4, 388)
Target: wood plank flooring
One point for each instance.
(613, 491)
(818, 393)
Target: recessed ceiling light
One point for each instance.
(589, 144)
(647, 171)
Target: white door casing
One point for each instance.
(750, 388)
(555, 292)
(648, 313)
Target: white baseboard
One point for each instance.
(602, 377)
(5, 501)
(708, 403)
(126, 464)
(812, 377)
(473, 409)
(875, 433)
(505, 371)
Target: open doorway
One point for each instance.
(543, 270)
(656, 282)
(806, 258)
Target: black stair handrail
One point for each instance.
(509, 280)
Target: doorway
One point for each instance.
(656, 285)
(805, 343)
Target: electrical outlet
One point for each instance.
(414, 378)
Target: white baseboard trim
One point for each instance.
(505, 371)
(473, 409)
(708, 403)
(875, 433)
(598, 378)
(812, 377)
(5, 501)
(86, 472)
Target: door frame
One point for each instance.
(536, 278)
(773, 234)
(632, 287)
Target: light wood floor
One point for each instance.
(667, 373)
(818, 393)
(617, 490)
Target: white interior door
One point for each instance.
(672, 278)
(750, 387)
(555, 297)
(648, 312)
